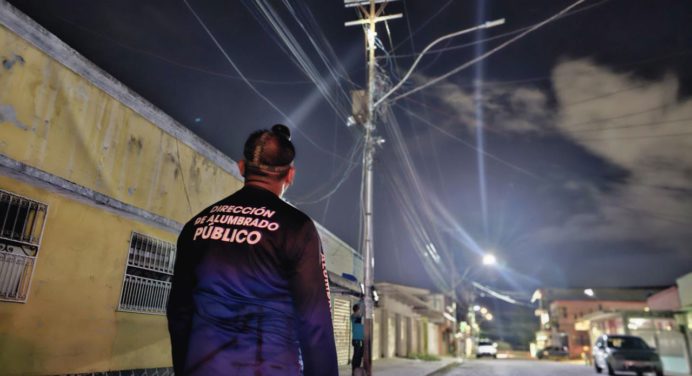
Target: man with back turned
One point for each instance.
(250, 293)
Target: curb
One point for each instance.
(443, 370)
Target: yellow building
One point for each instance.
(95, 183)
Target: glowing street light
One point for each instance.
(589, 292)
(476, 308)
(489, 259)
(489, 317)
(484, 311)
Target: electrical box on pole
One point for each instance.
(363, 113)
(359, 106)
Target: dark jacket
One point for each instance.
(250, 291)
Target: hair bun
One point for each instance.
(282, 130)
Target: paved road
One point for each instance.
(511, 367)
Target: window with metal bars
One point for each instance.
(21, 227)
(147, 281)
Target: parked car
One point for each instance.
(553, 352)
(486, 348)
(625, 353)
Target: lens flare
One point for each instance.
(478, 71)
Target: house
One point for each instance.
(664, 324)
(560, 309)
(412, 320)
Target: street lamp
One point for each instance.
(489, 259)
(589, 292)
(489, 316)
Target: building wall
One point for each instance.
(433, 339)
(666, 300)
(422, 336)
(59, 123)
(341, 258)
(377, 334)
(566, 312)
(412, 329)
(389, 324)
(685, 289)
(70, 322)
(62, 124)
(106, 163)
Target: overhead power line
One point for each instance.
(302, 60)
(486, 25)
(484, 40)
(178, 63)
(641, 137)
(608, 128)
(346, 174)
(536, 176)
(520, 81)
(498, 295)
(472, 146)
(424, 24)
(616, 117)
(483, 56)
(253, 88)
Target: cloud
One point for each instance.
(505, 108)
(627, 121)
(616, 117)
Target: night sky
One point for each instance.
(585, 125)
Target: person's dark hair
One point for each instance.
(269, 152)
(356, 308)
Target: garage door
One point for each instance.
(433, 344)
(341, 316)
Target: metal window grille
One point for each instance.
(21, 228)
(147, 281)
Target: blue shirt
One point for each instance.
(357, 328)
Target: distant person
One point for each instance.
(356, 338)
(250, 293)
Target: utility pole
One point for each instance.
(369, 16)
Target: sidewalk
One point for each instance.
(404, 367)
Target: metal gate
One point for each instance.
(341, 318)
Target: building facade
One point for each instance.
(411, 321)
(559, 310)
(95, 183)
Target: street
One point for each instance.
(499, 367)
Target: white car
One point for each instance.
(486, 348)
(625, 353)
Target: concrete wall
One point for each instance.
(55, 121)
(377, 334)
(58, 122)
(341, 258)
(685, 289)
(433, 339)
(666, 300)
(389, 325)
(70, 323)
